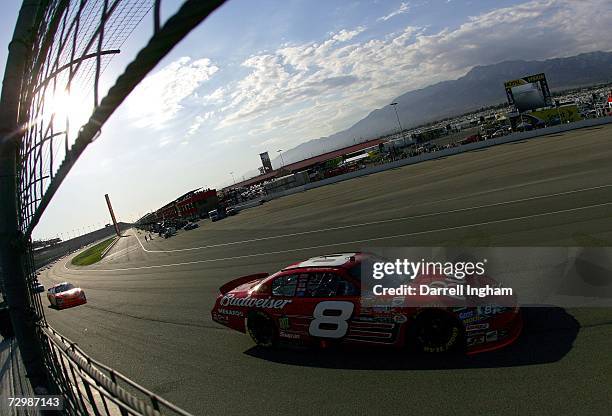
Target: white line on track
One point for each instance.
(365, 224)
(120, 253)
(524, 217)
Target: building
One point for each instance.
(193, 204)
(311, 163)
(197, 203)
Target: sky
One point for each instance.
(269, 75)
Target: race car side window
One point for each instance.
(284, 285)
(326, 285)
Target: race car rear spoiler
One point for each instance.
(242, 280)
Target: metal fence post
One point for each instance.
(13, 244)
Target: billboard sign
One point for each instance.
(265, 161)
(528, 93)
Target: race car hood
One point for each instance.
(69, 293)
(243, 283)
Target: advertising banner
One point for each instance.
(505, 276)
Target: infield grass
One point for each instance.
(92, 254)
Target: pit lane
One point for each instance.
(148, 312)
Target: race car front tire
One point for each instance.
(262, 329)
(436, 331)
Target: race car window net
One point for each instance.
(285, 285)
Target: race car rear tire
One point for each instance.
(436, 331)
(262, 329)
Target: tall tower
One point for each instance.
(112, 213)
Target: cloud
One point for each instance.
(165, 141)
(316, 88)
(289, 75)
(158, 99)
(345, 35)
(539, 29)
(214, 97)
(198, 121)
(404, 8)
(331, 71)
(301, 91)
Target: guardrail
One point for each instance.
(90, 387)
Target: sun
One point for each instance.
(71, 107)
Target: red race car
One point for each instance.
(65, 295)
(318, 302)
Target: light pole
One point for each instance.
(281, 155)
(394, 105)
(558, 112)
(234, 179)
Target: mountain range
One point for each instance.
(482, 86)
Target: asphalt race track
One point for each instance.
(149, 302)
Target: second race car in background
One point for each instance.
(66, 295)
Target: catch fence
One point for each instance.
(60, 51)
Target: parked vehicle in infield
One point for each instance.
(169, 232)
(216, 215)
(66, 295)
(318, 302)
(191, 226)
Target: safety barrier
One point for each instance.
(90, 387)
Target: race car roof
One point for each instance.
(331, 260)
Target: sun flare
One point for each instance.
(65, 106)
